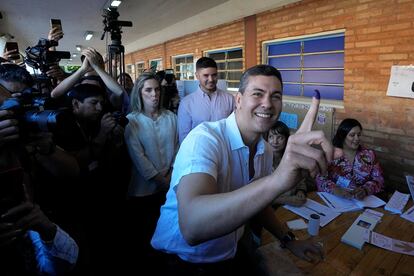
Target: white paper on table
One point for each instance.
(397, 202)
(340, 204)
(409, 214)
(375, 214)
(392, 244)
(297, 224)
(410, 183)
(326, 214)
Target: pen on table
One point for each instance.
(319, 213)
(328, 201)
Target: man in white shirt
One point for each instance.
(223, 177)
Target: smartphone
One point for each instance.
(12, 46)
(56, 23)
(11, 188)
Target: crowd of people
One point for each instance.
(174, 181)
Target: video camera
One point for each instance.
(40, 57)
(36, 113)
(113, 25)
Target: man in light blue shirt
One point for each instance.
(222, 178)
(207, 104)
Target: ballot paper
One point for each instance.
(390, 244)
(326, 214)
(410, 183)
(409, 214)
(397, 202)
(341, 205)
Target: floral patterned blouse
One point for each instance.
(366, 172)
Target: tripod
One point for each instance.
(116, 61)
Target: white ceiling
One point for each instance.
(154, 21)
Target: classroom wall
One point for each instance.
(378, 34)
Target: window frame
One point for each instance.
(174, 65)
(207, 53)
(302, 39)
(133, 72)
(138, 73)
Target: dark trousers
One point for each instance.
(244, 263)
(143, 213)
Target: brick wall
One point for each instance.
(224, 36)
(378, 34)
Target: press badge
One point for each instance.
(343, 182)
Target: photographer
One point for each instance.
(29, 242)
(92, 71)
(97, 144)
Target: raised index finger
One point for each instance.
(311, 114)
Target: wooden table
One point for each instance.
(342, 259)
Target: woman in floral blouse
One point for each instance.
(355, 171)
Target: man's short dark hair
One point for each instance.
(83, 91)
(14, 73)
(205, 62)
(259, 70)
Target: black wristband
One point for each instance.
(287, 238)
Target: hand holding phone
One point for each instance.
(55, 32)
(11, 51)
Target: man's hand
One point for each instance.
(95, 60)
(308, 250)
(55, 34)
(24, 217)
(108, 123)
(300, 154)
(9, 130)
(56, 72)
(11, 55)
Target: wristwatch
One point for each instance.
(287, 238)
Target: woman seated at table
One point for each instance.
(355, 171)
(277, 138)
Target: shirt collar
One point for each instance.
(236, 141)
(205, 94)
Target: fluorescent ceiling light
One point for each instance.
(116, 3)
(78, 48)
(88, 35)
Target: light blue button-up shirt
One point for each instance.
(200, 107)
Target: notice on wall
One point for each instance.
(401, 82)
(290, 119)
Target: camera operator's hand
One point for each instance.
(56, 72)
(11, 55)
(55, 34)
(108, 123)
(26, 216)
(9, 130)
